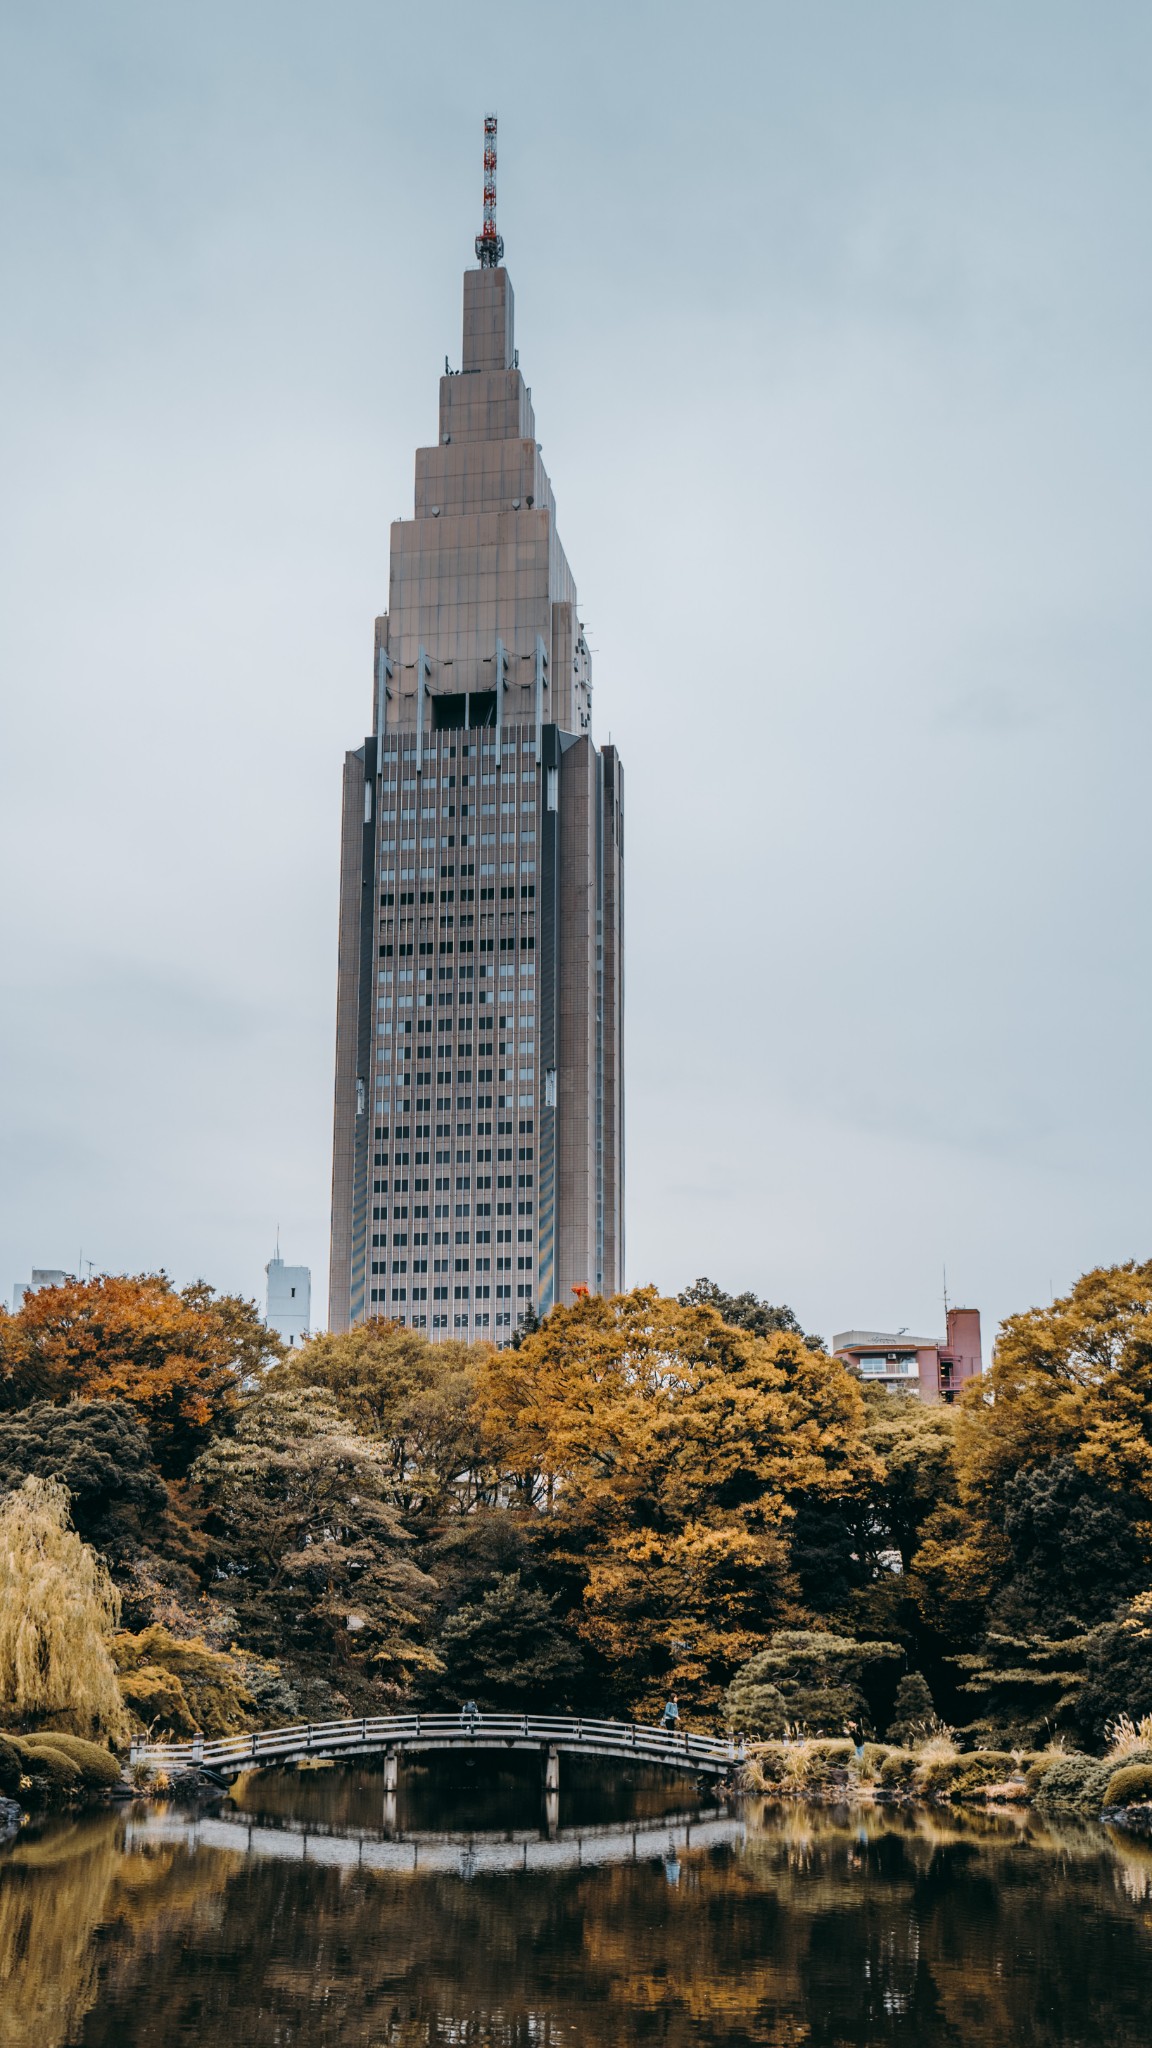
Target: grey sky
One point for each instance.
(837, 322)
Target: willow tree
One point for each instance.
(58, 1608)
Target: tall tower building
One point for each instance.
(478, 1166)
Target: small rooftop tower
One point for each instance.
(489, 245)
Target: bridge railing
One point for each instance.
(332, 1738)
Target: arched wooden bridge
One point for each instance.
(394, 1734)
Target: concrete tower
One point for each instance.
(478, 1165)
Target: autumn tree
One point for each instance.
(176, 1359)
(1073, 1381)
(1049, 1534)
(58, 1609)
(667, 1449)
(178, 1686)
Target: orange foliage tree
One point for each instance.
(176, 1358)
(666, 1449)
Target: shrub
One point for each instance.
(1129, 1786)
(870, 1759)
(814, 1762)
(771, 1763)
(1140, 1755)
(897, 1768)
(11, 1768)
(832, 1750)
(956, 1777)
(1037, 1763)
(1074, 1781)
(177, 1685)
(51, 1765)
(158, 1699)
(95, 1764)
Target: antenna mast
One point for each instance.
(489, 245)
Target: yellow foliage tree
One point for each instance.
(58, 1608)
(1074, 1378)
(667, 1448)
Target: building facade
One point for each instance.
(42, 1276)
(478, 1162)
(288, 1308)
(934, 1370)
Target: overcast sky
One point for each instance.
(837, 319)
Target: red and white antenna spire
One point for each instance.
(489, 245)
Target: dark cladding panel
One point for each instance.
(348, 1008)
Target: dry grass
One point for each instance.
(1125, 1735)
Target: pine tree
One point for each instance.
(913, 1711)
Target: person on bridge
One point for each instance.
(671, 1715)
(470, 1716)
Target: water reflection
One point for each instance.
(283, 1917)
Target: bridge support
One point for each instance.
(552, 1789)
(391, 1783)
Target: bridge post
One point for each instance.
(552, 1790)
(391, 1782)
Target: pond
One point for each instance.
(304, 1912)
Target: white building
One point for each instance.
(42, 1276)
(289, 1310)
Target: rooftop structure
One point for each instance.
(289, 1300)
(932, 1368)
(42, 1276)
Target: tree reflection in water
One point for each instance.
(822, 1927)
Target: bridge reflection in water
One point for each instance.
(464, 1855)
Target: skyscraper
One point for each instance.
(478, 1160)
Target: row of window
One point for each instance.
(402, 1132)
(445, 1265)
(486, 1293)
(428, 807)
(463, 1158)
(406, 949)
(391, 897)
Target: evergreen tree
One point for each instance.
(913, 1712)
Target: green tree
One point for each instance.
(914, 1712)
(806, 1679)
(416, 1400)
(508, 1650)
(745, 1311)
(312, 1551)
(100, 1453)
